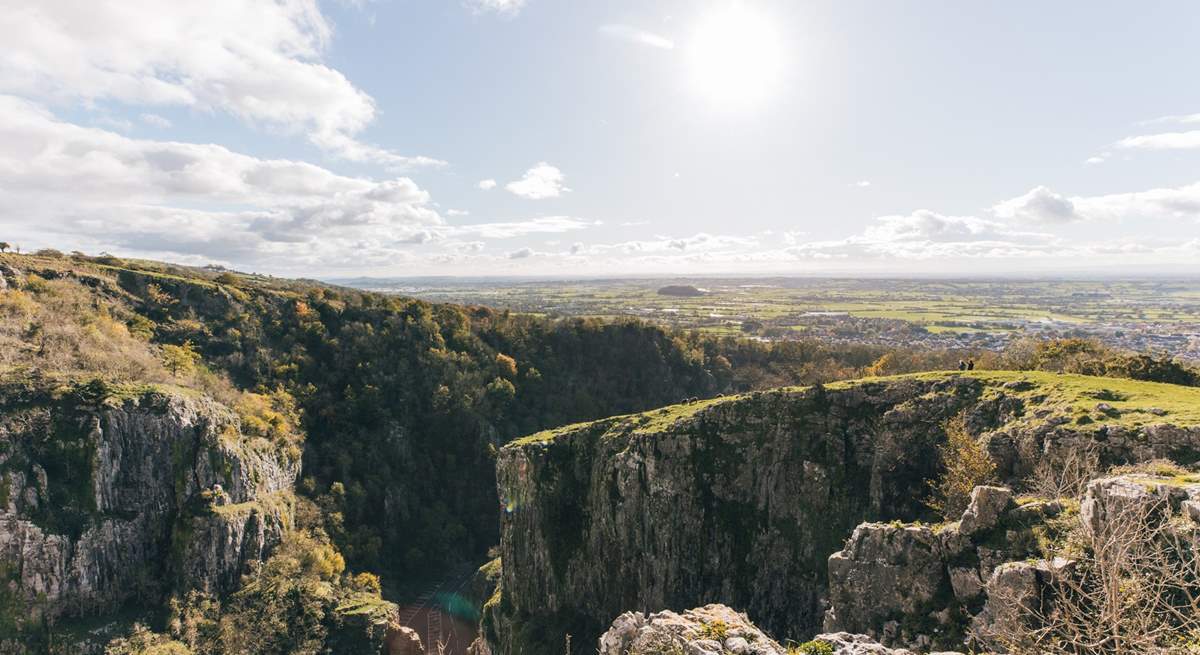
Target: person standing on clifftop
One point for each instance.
(962, 366)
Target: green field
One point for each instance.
(793, 306)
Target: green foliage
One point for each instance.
(814, 647)
(716, 630)
(965, 464)
(1090, 357)
(144, 642)
(402, 402)
(181, 359)
(273, 416)
(300, 601)
(12, 606)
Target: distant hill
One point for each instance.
(682, 290)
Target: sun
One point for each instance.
(735, 57)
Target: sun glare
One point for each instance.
(735, 57)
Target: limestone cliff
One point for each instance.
(117, 496)
(742, 500)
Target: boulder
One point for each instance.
(987, 506)
(1014, 594)
(708, 630)
(884, 573)
(1109, 499)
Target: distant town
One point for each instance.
(1159, 316)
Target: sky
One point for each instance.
(397, 138)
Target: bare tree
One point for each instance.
(1066, 475)
(1134, 587)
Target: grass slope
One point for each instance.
(1081, 398)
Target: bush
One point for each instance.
(144, 642)
(814, 647)
(717, 630)
(180, 359)
(966, 465)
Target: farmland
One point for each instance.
(1159, 315)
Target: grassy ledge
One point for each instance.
(1085, 400)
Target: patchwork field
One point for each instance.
(1161, 315)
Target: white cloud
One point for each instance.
(112, 122)
(1039, 205)
(635, 35)
(1163, 204)
(501, 7)
(64, 181)
(509, 230)
(862, 184)
(487, 185)
(540, 182)
(1165, 141)
(1179, 118)
(154, 120)
(522, 253)
(457, 212)
(258, 61)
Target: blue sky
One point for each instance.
(603, 138)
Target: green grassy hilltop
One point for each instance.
(1130, 403)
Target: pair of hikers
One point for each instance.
(966, 365)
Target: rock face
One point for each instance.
(108, 497)
(741, 500)
(921, 587)
(982, 579)
(884, 575)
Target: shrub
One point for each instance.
(180, 359)
(272, 416)
(966, 465)
(814, 647)
(716, 630)
(142, 641)
(1133, 587)
(507, 365)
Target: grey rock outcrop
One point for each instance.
(709, 630)
(1014, 592)
(104, 499)
(913, 586)
(983, 512)
(886, 573)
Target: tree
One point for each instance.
(507, 365)
(966, 464)
(4, 246)
(1130, 584)
(180, 359)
